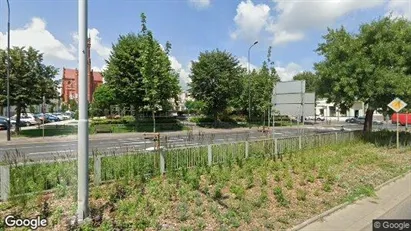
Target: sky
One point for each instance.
(293, 28)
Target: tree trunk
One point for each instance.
(368, 120)
(136, 117)
(18, 113)
(154, 120)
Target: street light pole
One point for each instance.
(82, 140)
(249, 90)
(8, 72)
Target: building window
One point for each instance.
(332, 111)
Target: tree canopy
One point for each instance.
(216, 80)
(310, 80)
(30, 79)
(103, 98)
(139, 71)
(373, 66)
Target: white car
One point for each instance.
(62, 116)
(26, 119)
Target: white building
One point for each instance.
(330, 112)
(182, 99)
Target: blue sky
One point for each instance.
(293, 28)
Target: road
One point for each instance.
(53, 149)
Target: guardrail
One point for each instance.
(35, 177)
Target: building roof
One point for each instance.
(97, 76)
(69, 73)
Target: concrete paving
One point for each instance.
(392, 201)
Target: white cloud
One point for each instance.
(250, 20)
(292, 18)
(183, 72)
(244, 63)
(36, 35)
(96, 43)
(200, 4)
(288, 72)
(99, 69)
(399, 8)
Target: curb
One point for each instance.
(341, 206)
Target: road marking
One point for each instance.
(139, 142)
(50, 152)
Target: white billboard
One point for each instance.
(290, 87)
(296, 109)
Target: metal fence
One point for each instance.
(36, 177)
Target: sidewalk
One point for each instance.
(359, 215)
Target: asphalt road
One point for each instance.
(52, 150)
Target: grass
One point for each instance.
(254, 194)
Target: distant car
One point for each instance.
(27, 119)
(352, 120)
(377, 122)
(361, 120)
(3, 123)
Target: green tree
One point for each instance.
(30, 79)
(160, 81)
(103, 98)
(194, 106)
(372, 66)
(216, 80)
(140, 73)
(73, 105)
(310, 80)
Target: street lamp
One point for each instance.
(249, 90)
(8, 72)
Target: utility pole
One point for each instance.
(249, 89)
(8, 73)
(83, 143)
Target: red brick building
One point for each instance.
(70, 80)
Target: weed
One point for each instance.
(264, 178)
(327, 187)
(119, 193)
(277, 177)
(311, 178)
(363, 190)
(301, 195)
(182, 210)
(238, 191)
(201, 224)
(261, 200)
(250, 182)
(289, 183)
(198, 211)
(217, 192)
(316, 193)
(279, 195)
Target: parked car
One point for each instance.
(52, 118)
(377, 122)
(62, 116)
(352, 120)
(13, 122)
(3, 123)
(27, 119)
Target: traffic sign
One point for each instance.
(397, 104)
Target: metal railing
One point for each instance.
(36, 177)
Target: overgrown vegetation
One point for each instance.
(243, 194)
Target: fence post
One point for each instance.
(210, 155)
(97, 170)
(4, 182)
(275, 146)
(336, 137)
(247, 146)
(300, 142)
(162, 162)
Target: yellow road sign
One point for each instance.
(397, 104)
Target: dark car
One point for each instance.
(352, 120)
(3, 124)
